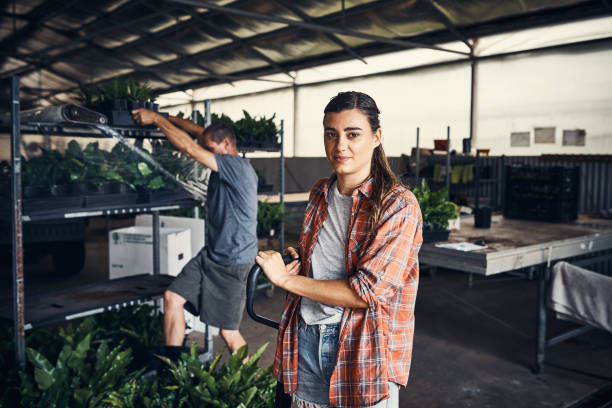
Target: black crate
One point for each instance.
(542, 193)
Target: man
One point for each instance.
(214, 281)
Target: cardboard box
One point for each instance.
(130, 251)
(195, 225)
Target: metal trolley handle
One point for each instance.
(252, 288)
(281, 400)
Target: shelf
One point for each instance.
(92, 206)
(78, 301)
(76, 130)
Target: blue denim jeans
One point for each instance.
(317, 354)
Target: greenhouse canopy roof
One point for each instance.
(174, 45)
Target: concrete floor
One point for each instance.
(473, 346)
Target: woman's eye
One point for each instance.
(353, 135)
(330, 135)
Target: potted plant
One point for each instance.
(436, 211)
(269, 217)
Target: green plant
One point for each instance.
(262, 130)
(101, 97)
(238, 384)
(269, 216)
(82, 376)
(435, 209)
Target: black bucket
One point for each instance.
(482, 217)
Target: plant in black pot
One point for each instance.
(269, 217)
(436, 211)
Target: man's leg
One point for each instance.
(233, 339)
(174, 318)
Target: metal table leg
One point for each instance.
(540, 349)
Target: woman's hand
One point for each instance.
(293, 267)
(273, 266)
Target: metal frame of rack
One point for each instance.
(17, 219)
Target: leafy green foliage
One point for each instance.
(101, 97)
(81, 376)
(236, 384)
(91, 366)
(436, 210)
(269, 216)
(97, 166)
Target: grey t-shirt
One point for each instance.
(329, 256)
(231, 235)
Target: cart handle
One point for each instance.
(252, 288)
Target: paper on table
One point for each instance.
(462, 246)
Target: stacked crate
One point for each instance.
(542, 193)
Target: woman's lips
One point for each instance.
(341, 159)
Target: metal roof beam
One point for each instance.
(35, 18)
(439, 14)
(312, 26)
(332, 37)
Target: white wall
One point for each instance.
(568, 88)
(564, 89)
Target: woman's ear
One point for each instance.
(377, 137)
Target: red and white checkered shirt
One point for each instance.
(375, 344)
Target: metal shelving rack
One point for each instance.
(136, 289)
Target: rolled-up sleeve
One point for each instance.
(390, 256)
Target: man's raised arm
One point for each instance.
(178, 137)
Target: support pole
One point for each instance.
(448, 162)
(156, 243)
(418, 158)
(540, 351)
(473, 83)
(17, 226)
(282, 183)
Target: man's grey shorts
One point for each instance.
(216, 292)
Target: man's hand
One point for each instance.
(273, 266)
(144, 116)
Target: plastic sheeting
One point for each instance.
(56, 44)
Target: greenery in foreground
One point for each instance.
(101, 363)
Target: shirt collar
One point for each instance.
(364, 188)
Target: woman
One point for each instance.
(345, 337)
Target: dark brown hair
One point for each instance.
(384, 178)
(220, 131)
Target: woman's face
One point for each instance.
(350, 143)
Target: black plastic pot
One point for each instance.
(482, 217)
(36, 191)
(115, 188)
(120, 104)
(136, 105)
(436, 235)
(60, 190)
(84, 189)
(149, 105)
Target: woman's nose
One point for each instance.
(342, 143)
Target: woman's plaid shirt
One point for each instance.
(375, 343)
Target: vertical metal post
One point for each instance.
(194, 119)
(540, 351)
(448, 160)
(418, 158)
(473, 98)
(16, 226)
(207, 119)
(156, 240)
(282, 183)
(476, 180)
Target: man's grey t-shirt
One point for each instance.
(231, 227)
